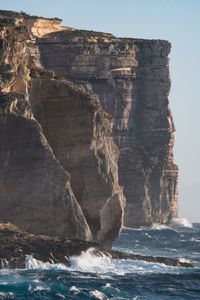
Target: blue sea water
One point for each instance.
(91, 277)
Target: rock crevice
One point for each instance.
(130, 78)
(85, 120)
(58, 158)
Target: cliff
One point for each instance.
(50, 127)
(130, 78)
(84, 121)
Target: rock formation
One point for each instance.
(130, 77)
(17, 245)
(77, 109)
(79, 132)
(35, 193)
(49, 126)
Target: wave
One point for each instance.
(98, 295)
(33, 263)
(180, 223)
(185, 260)
(90, 263)
(193, 239)
(95, 294)
(175, 223)
(154, 226)
(102, 265)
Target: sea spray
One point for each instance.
(99, 277)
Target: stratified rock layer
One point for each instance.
(50, 126)
(79, 132)
(130, 77)
(113, 119)
(35, 190)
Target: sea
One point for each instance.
(92, 277)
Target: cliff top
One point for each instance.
(97, 36)
(9, 17)
(9, 14)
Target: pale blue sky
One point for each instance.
(175, 20)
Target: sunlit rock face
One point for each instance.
(58, 160)
(130, 78)
(85, 120)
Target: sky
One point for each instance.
(177, 21)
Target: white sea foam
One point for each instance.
(7, 295)
(109, 287)
(154, 226)
(175, 223)
(102, 265)
(193, 239)
(185, 260)
(38, 288)
(61, 296)
(74, 290)
(33, 263)
(89, 262)
(180, 223)
(98, 295)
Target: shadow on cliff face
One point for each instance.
(53, 128)
(79, 132)
(68, 127)
(34, 194)
(130, 77)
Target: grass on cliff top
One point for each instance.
(71, 33)
(81, 33)
(6, 22)
(9, 14)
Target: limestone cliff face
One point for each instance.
(35, 190)
(83, 115)
(79, 132)
(49, 127)
(130, 77)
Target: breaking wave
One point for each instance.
(88, 262)
(174, 224)
(180, 223)
(100, 277)
(33, 263)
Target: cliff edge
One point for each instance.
(84, 121)
(130, 78)
(50, 127)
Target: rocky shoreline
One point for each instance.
(16, 244)
(86, 130)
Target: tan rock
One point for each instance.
(79, 132)
(62, 128)
(131, 79)
(35, 193)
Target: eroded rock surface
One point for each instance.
(130, 77)
(79, 132)
(78, 109)
(49, 127)
(35, 189)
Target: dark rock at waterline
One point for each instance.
(15, 244)
(153, 259)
